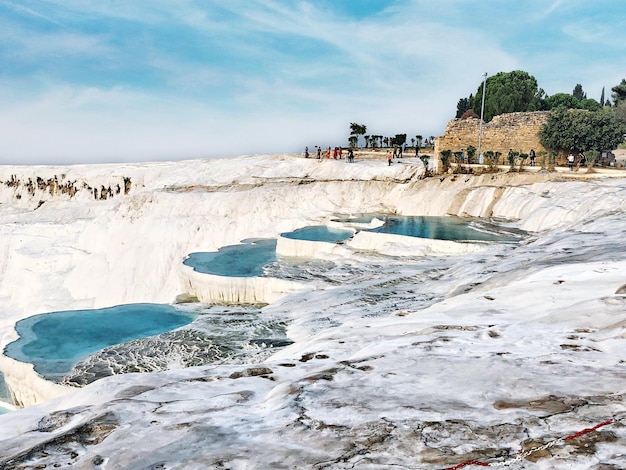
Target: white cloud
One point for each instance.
(402, 70)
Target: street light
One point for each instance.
(482, 110)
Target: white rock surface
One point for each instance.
(400, 359)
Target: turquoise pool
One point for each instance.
(440, 228)
(54, 342)
(244, 260)
(319, 233)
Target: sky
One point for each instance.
(94, 81)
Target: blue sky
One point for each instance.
(85, 81)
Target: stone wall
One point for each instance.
(517, 131)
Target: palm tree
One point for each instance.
(357, 130)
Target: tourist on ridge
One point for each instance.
(340, 152)
(389, 157)
(335, 153)
(532, 157)
(583, 160)
(570, 161)
(306, 152)
(350, 155)
(319, 153)
(462, 155)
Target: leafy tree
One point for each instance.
(357, 130)
(399, 139)
(619, 92)
(602, 97)
(581, 130)
(509, 92)
(620, 112)
(578, 92)
(353, 140)
(561, 100)
(462, 106)
(590, 104)
(592, 156)
(521, 158)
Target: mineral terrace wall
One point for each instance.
(517, 131)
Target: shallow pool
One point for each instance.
(440, 228)
(54, 342)
(319, 233)
(244, 260)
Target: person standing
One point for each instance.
(462, 155)
(570, 161)
(306, 152)
(319, 153)
(532, 157)
(389, 157)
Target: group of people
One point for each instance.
(336, 153)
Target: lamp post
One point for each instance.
(482, 110)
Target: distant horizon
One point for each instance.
(112, 82)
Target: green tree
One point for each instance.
(590, 104)
(357, 130)
(561, 100)
(509, 92)
(602, 97)
(620, 112)
(619, 92)
(578, 92)
(581, 130)
(462, 106)
(399, 139)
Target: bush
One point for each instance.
(445, 156)
(471, 153)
